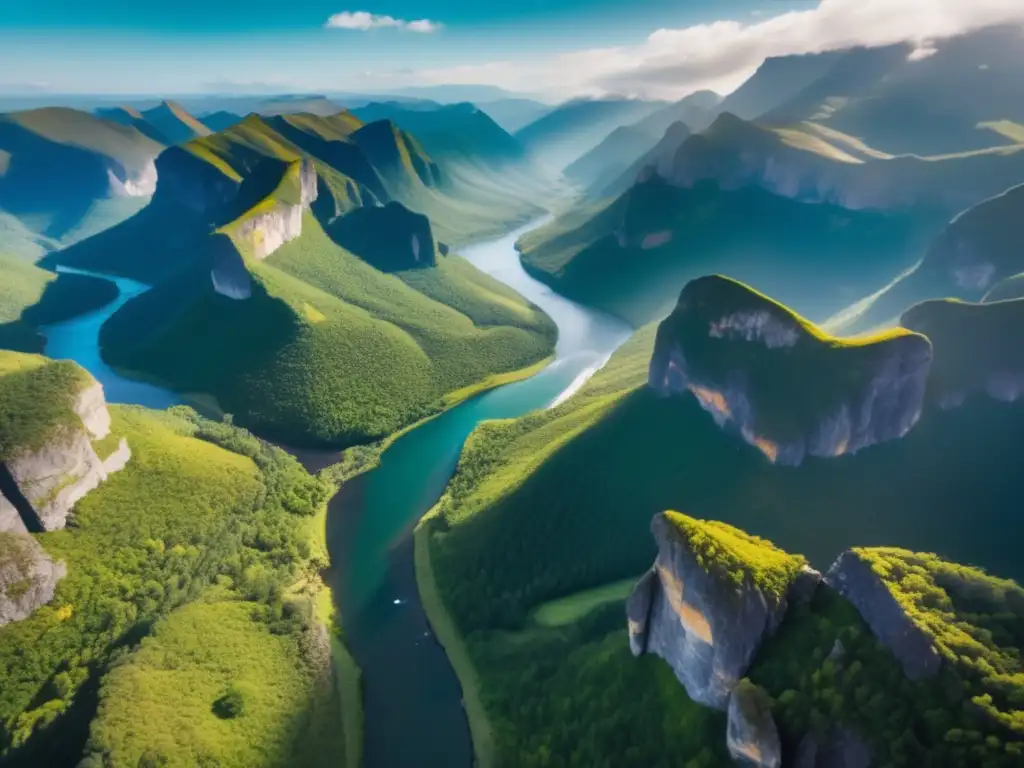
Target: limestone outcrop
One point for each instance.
(852, 576)
(53, 412)
(978, 348)
(781, 383)
(707, 616)
(28, 576)
(751, 736)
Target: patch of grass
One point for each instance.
(1006, 128)
(36, 401)
(570, 609)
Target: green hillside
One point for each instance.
(216, 537)
(65, 174)
(329, 349)
(630, 257)
(213, 180)
(167, 123)
(520, 481)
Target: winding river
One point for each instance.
(412, 700)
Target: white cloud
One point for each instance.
(722, 54)
(363, 21)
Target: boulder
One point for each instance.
(707, 614)
(28, 576)
(853, 577)
(784, 385)
(751, 735)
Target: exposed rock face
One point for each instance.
(853, 578)
(265, 229)
(782, 384)
(981, 246)
(132, 183)
(979, 348)
(28, 576)
(390, 238)
(751, 735)
(44, 481)
(838, 748)
(701, 622)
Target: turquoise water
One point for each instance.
(78, 339)
(412, 699)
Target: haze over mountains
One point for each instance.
(633, 432)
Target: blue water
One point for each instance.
(411, 696)
(78, 339)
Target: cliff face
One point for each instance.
(979, 348)
(699, 618)
(138, 182)
(786, 387)
(852, 576)
(28, 576)
(41, 481)
(261, 231)
(980, 247)
(751, 735)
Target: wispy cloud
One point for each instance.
(721, 54)
(363, 21)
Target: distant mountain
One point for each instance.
(168, 123)
(627, 147)
(776, 81)
(293, 105)
(318, 246)
(966, 95)
(67, 173)
(574, 128)
(629, 256)
(513, 114)
(220, 120)
(455, 94)
(659, 157)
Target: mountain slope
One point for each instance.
(167, 123)
(628, 257)
(776, 81)
(574, 128)
(104, 170)
(513, 114)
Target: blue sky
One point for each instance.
(663, 48)
(195, 45)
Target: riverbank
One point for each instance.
(451, 641)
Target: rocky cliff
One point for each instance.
(28, 576)
(51, 415)
(853, 576)
(263, 229)
(978, 348)
(713, 595)
(784, 385)
(979, 247)
(751, 735)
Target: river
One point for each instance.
(412, 700)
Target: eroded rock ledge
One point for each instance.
(28, 576)
(784, 385)
(708, 616)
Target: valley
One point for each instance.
(650, 398)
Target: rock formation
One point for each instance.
(978, 348)
(707, 616)
(839, 747)
(28, 576)
(784, 385)
(751, 735)
(852, 576)
(48, 460)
